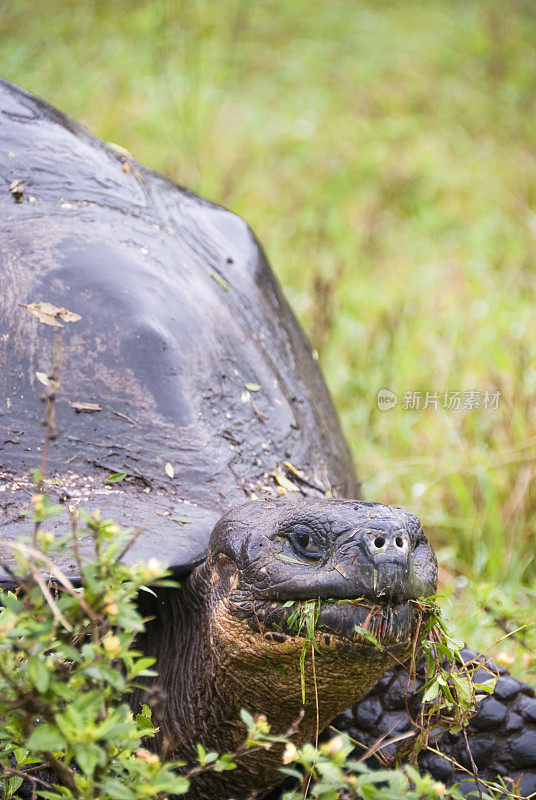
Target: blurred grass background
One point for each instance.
(385, 154)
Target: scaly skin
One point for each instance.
(224, 666)
(219, 652)
(501, 735)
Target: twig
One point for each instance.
(17, 483)
(501, 623)
(16, 578)
(382, 742)
(7, 771)
(506, 636)
(310, 777)
(96, 444)
(244, 750)
(123, 416)
(73, 515)
(317, 731)
(49, 407)
(31, 553)
(461, 768)
(473, 765)
(134, 538)
(50, 600)
(51, 433)
(63, 773)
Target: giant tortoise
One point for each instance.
(183, 370)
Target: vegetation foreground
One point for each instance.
(68, 664)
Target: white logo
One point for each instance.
(386, 399)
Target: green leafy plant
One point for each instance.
(330, 772)
(67, 665)
(302, 621)
(450, 694)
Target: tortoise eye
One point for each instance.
(306, 543)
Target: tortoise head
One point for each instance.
(338, 576)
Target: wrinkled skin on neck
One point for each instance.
(225, 641)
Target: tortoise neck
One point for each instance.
(202, 696)
(207, 679)
(187, 707)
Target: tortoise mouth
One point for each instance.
(358, 621)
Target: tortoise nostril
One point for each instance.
(399, 541)
(379, 541)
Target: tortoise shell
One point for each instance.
(181, 369)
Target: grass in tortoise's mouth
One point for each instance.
(355, 621)
(359, 622)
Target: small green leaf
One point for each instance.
(144, 725)
(13, 784)
(293, 774)
(115, 789)
(253, 387)
(167, 782)
(129, 618)
(38, 673)
(488, 686)
(247, 719)
(283, 481)
(368, 636)
(288, 559)
(223, 763)
(120, 149)
(182, 520)
(432, 692)
(170, 471)
(205, 758)
(219, 280)
(117, 477)
(46, 738)
(87, 756)
(462, 685)
(141, 667)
